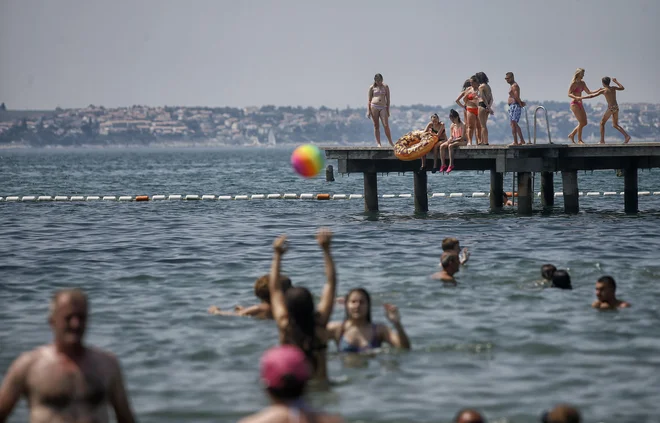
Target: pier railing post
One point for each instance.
(571, 194)
(370, 191)
(525, 195)
(496, 189)
(420, 192)
(547, 189)
(630, 190)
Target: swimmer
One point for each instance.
(67, 381)
(562, 413)
(357, 333)
(606, 295)
(450, 266)
(262, 310)
(469, 416)
(561, 279)
(452, 245)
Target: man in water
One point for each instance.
(562, 413)
(606, 294)
(66, 381)
(515, 109)
(450, 266)
(451, 245)
(469, 416)
(612, 108)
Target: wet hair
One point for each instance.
(366, 295)
(466, 84)
(447, 259)
(578, 72)
(301, 330)
(448, 244)
(292, 389)
(473, 412)
(547, 270)
(606, 80)
(562, 413)
(608, 280)
(561, 279)
(454, 114)
(482, 78)
(262, 291)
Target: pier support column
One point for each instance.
(525, 195)
(420, 192)
(547, 189)
(370, 192)
(496, 189)
(630, 188)
(571, 195)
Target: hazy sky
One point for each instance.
(71, 53)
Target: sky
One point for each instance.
(115, 53)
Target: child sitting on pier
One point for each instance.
(612, 108)
(260, 311)
(436, 128)
(458, 137)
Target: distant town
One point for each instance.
(270, 125)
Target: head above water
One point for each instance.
(606, 289)
(357, 305)
(450, 262)
(562, 413)
(451, 244)
(561, 279)
(468, 415)
(547, 270)
(284, 372)
(262, 291)
(68, 317)
(606, 81)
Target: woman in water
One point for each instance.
(357, 333)
(471, 105)
(485, 105)
(435, 127)
(298, 322)
(574, 91)
(458, 137)
(378, 107)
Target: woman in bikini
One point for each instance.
(458, 138)
(485, 105)
(378, 107)
(436, 128)
(574, 91)
(471, 106)
(357, 333)
(298, 322)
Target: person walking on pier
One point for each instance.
(612, 107)
(574, 91)
(378, 107)
(515, 108)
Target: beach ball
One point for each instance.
(307, 160)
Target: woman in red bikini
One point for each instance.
(574, 91)
(471, 105)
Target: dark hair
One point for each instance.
(262, 291)
(447, 259)
(606, 80)
(466, 84)
(474, 78)
(547, 270)
(608, 280)
(454, 114)
(482, 78)
(292, 388)
(561, 279)
(366, 295)
(448, 244)
(301, 330)
(376, 77)
(473, 412)
(436, 115)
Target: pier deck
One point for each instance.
(499, 159)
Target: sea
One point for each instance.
(497, 342)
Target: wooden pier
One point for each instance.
(545, 159)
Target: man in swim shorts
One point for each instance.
(66, 381)
(606, 295)
(515, 109)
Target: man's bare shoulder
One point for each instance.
(269, 414)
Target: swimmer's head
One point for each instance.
(262, 291)
(561, 279)
(606, 81)
(606, 288)
(451, 244)
(68, 316)
(450, 262)
(547, 270)
(378, 78)
(482, 78)
(454, 116)
(467, 415)
(562, 413)
(284, 372)
(358, 305)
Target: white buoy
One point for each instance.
(192, 197)
(241, 197)
(257, 197)
(389, 195)
(28, 198)
(438, 194)
(306, 196)
(93, 198)
(581, 193)
(405, 195)
(224, 197)
(12, 198)
(644, 193)
(61, 198)
(455, 194)
(158, 197)
(354, 196)
(478, 194)
(174, 197)
(609, 193)
(339, 196)
(109, 198)
(654, 193)
(77, 198)
(125, 198)
(208, 197)
(273, 196)
(42, 198)
(559, 194)
(290, 196)
(593, 194)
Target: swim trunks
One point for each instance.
(514, 112)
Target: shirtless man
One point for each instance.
(66, 382)
(450, 266)
(612, 108)
(606, 294)
(515, 109)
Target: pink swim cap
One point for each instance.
(282, 365)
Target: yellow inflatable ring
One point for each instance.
(414, 145)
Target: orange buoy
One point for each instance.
(414, 145)
(322, 196)
(142, 198)
(509, 194)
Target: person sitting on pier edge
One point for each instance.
(299, 323)
(356, 333)
(285, 374)
(261, 291)
(458, 138)
(606, 295)
(561, 279)
(450, 266)
(452, 245)
(436, 127)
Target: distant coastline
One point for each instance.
(141, 126)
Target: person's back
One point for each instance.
(610, 95)
(289, 414)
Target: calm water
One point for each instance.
(495, 342)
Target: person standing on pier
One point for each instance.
(485, 105)
(515, 108)
(378, 107)
(612, 108)
(574, 91)
(470, 97)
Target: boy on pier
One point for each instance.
(612, 108)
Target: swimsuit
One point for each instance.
(514, 112)
(344, 346)
(456, 132)
(378, 92)
(473, 110)
(614, 108)
(577, 91)
(482, 104)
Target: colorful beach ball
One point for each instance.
(307, 160)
